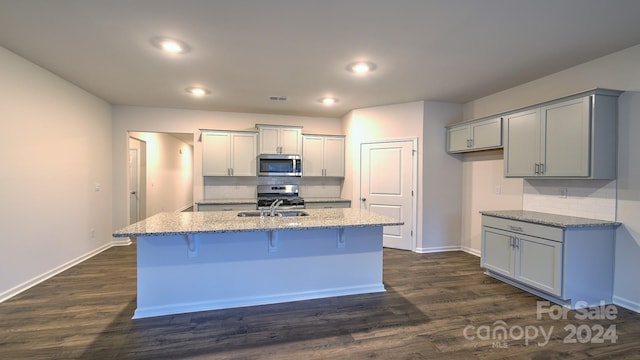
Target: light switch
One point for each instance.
(97, 187)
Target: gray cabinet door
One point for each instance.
(486, 134)
(497, 251)
(312, 155)
(458, 138)
(215, 154)
(243, 154)
(522, 143)
(539, 263)
(565, 127)
(334, 156)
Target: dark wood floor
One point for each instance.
(431, 299)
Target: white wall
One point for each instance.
(441, 197)
(133, 118)
(626, 284)
(169, 172)
(55, 145)
(615, 71)
(484, 188)
(438, 212)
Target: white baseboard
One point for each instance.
(437, 249)
(51, 273)
(120, 241)
(185, 208)
(626, 303)
(471, 251)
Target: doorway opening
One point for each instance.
(159, 173)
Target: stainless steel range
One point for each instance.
(289, 194)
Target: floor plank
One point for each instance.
(85, 313)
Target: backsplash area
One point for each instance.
(217, 188)
(584, 198)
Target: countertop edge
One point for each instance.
(221, 231)
(555, 220)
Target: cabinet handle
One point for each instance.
(470, 142)
(541, 168)
(515, 228)
(231, 171)
(536, 168)
(516, 243)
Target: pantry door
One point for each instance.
(387, 183)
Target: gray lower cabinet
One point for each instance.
(327, 204)
(226, 207)
(569, 266)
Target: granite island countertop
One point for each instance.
(228, 221)
(561, 221)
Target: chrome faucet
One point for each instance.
(273, 206)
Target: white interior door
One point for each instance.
(133, 186)
(386, 187)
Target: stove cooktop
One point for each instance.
(289, 194)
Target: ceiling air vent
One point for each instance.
(278, 98)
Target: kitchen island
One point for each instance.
(196, 261)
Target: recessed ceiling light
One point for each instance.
(361, 67)
(170, 45)
(327, 100)
(197, 91)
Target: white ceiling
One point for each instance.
(248, 50)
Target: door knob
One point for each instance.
(363, 199)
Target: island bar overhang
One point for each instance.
(262, 261)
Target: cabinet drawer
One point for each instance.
(523, 227)
(226, 207)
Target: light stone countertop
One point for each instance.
(228, 221)
(324, 199)
(227, 201)
(255, 201)
(561, 221)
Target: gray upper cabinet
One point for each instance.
(323, 155)
(275, 139)
(229, 153)
(570, 138)
(475, 135)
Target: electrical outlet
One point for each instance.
(563, 192)
(92, 233)
(498, 189)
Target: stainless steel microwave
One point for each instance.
(279, 165)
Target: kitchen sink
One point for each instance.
(281, 213)
(249, 213)
(291, 213)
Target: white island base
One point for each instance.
(216, 270)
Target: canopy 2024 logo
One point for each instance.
(500, 333)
